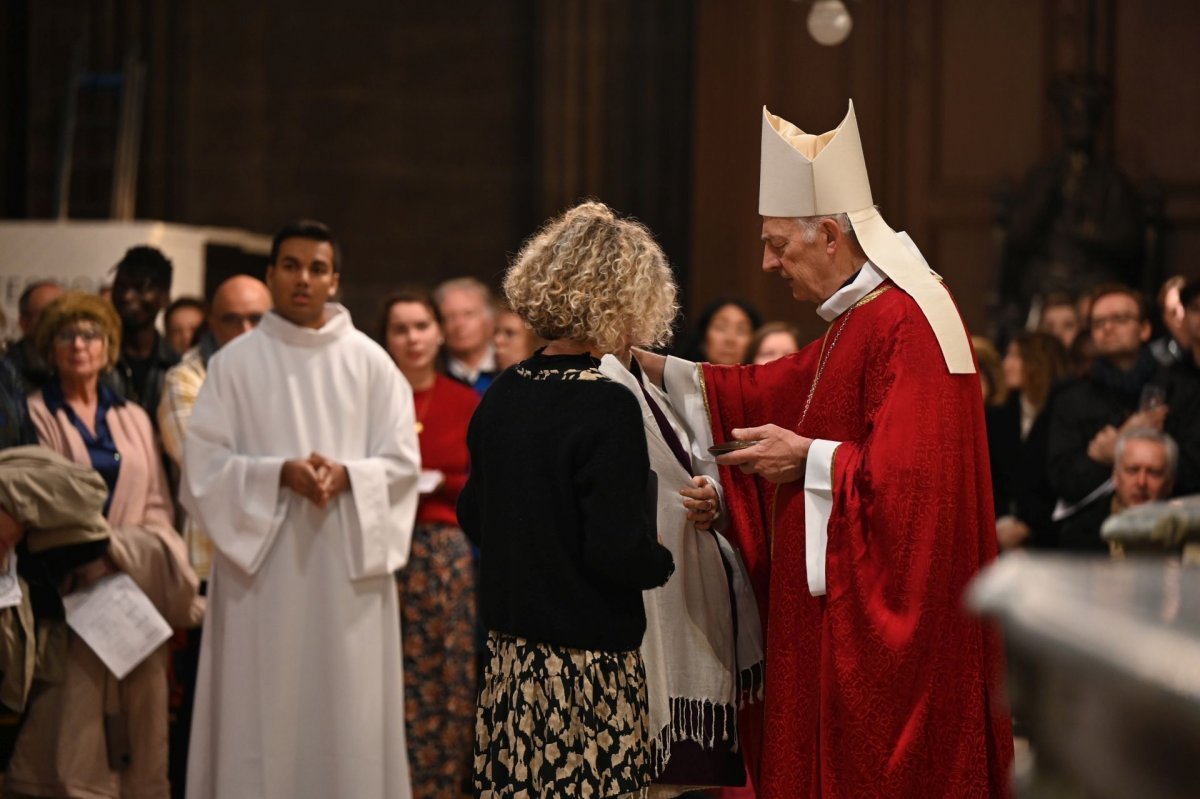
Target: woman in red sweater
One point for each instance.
(437, 586)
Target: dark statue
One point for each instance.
(1077, 221)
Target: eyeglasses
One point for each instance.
(67, 335)
(1099, 322)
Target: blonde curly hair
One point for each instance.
(589, 276)
(73, 307)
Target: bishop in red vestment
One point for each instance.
(866, 508)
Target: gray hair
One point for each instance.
(1154, 436)
(466, 284)
(809, 224)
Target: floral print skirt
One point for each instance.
(437, 625)
(559, 722)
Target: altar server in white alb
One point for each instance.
(301, 462)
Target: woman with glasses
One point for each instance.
(86, 733)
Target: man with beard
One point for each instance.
(141, 289)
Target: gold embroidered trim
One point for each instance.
(704, 393)
(882, 289)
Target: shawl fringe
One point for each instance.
(750, 684)
(698, 720)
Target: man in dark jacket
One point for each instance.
(141, 290)
(1146, 464)
(1124, 389)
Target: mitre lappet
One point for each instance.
(806, 174)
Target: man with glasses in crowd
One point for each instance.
(1124, 389)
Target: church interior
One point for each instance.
(1032, 149)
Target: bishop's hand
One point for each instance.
(779, 457)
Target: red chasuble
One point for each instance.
(884, 686)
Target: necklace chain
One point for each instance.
(423, 411)
(825, 356)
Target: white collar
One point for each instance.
(461, 370)
(867, 280)
(337, 324)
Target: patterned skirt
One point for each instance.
(437, 612)
(559, 722)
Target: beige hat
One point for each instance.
(805, 174)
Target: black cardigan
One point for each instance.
(556, 501)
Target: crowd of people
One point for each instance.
(94, 380)
(1092, 409)
(1089, 412)
(504, 547)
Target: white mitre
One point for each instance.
(806, 174)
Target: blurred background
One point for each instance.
(433, 137)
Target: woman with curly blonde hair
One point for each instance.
(561, 503)
(589, 277)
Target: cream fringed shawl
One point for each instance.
(696, 670)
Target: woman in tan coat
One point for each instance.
(87, 734)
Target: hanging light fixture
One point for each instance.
(829, 22)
